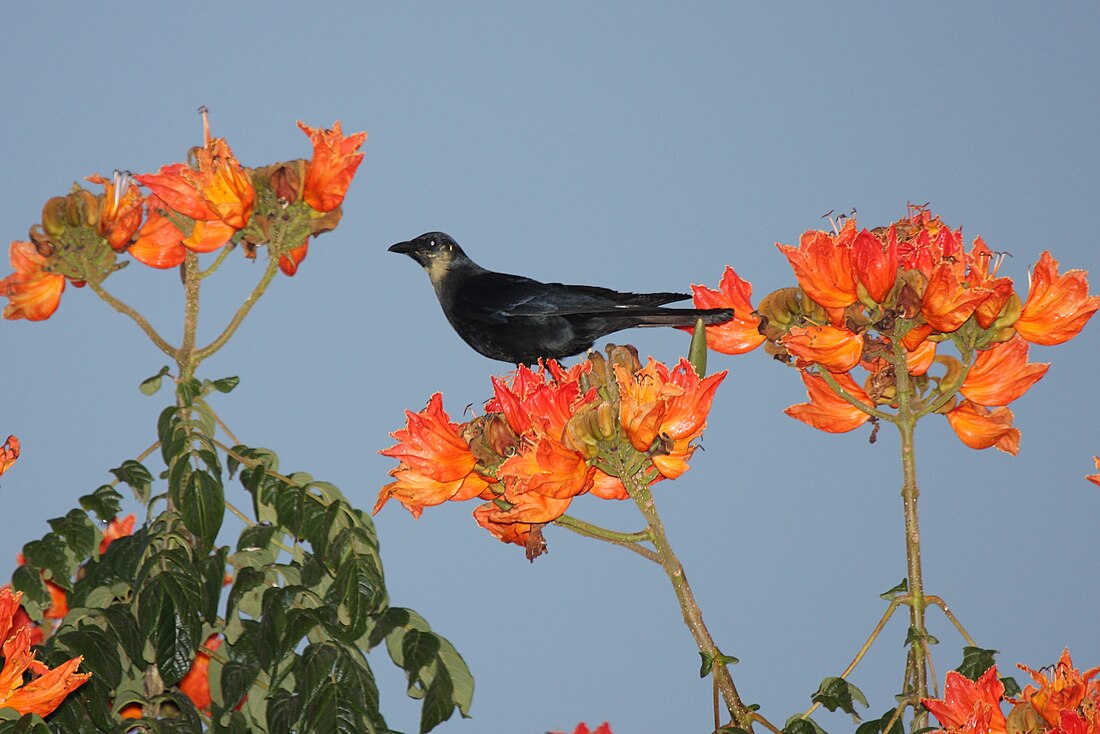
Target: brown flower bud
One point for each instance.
(41, 242)
(53, 216)
(1024, 719)
(597, 377)
(910, 293)
(625, 355)
(82, 209)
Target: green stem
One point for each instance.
(219, 342)
(138, 319)
(693, 617)
(851, 399)
(222, 253)
(906, 423)
(630, 541)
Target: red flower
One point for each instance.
(1061, 688)
(1057, 306)
(119, 209)
(548, 468)
(159, 243)
(34, 292)
(330, 171)
(9, 452)
(116, 529)
(970, 706)
(1002, 373)
(828, 411)
(47, 688)
(980, 428)
(291, 259)
(436, 464)
(196, 683)
(947, 304)
(741, 333)
(822, 262)
(876, 264)
(837, 350)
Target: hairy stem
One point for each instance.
(187, 359)
(231, 327)
(630, 541)
(138, 319)
(638, 488)
(906, 423)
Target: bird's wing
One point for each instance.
(497, 296)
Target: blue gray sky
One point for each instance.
(640, 146)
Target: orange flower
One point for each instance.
(48, 688)
(9, 452)
(514, 525)
(1095, 478)
(837, 350)
(1057, 307)
(1002, 373)
(119, 209)
(876, 264)
(116, 529)
(548, 468)
(335, 159)
(436, 464)
(822, 262)
(947, 305)
(1062, 688)
(920, 359)
(669, 405)
(159, 243)
(216, 188)
(979, 427)
(34, 292)
(196, 683)
(607, 487)
(970, 706)
(741, 333)
(291, 259)
(828, 411)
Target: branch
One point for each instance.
(138, 319)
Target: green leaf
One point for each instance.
(30, 582)
(917, 635)
(838, 693)
(901, 588)
(418, 650)
(25, 724)
(1012, 688)
(150, 385)
(201, 501)
(100, 651)
(136, 476)
(121, 621)
(226, 384)
(188, 390)
(51, 554)
(438, 702)
(168, 614)
(77, 530)
(334, 690)
(799, 725)
(875, 726)
(976, 660)
(105, 502)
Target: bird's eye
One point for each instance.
(432, 244)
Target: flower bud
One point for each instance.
(1024, 719)
(82, 208)
(597, 376)
(1010, 313)
(578, 434)
(489, 438)
(606, 420)
(53, 216)
(41, 242)
(952, 376)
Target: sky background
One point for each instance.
(641, 146)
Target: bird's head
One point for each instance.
(435, 251)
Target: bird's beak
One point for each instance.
(405, 248)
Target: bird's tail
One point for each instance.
(678, 316)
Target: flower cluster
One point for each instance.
(46, 688)
(1066, 702)
(885, 301)
(549, 435)
(207, 204)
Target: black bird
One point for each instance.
(519, 320)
